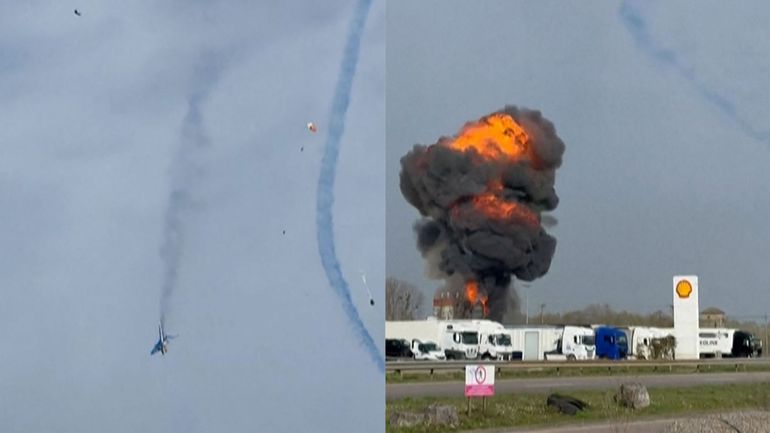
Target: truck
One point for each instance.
(746, 345)
(641, 338)
(576, 343)
(530, 343)
(715, 342)
(494, 341)
(611, 343)
(457, 340)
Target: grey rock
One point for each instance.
(437, 414)
(405, 419)
(633, 395)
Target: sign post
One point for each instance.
(479, 382)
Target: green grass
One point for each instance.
(518, 410)
(620, 370)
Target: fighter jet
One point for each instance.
(162, 344)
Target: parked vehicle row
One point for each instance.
(434, 339)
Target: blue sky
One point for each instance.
(662, 107)
(94, 109)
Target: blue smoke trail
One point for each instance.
(325, 194)
(634, 21)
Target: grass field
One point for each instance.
(530, 410)
(545, 371)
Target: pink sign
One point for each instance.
(479, 380)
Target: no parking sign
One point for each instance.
(479, 380)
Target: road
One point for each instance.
(510, 386)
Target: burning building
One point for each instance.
(481, 194)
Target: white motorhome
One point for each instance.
(494, 341)
(715, 342)
(458, 341)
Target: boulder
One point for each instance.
(633, 395)
(437, 414)
(405, 419)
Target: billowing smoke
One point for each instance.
(481, 195)
(186, 169)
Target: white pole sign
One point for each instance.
(686, 317)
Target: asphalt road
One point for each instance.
(510, 386)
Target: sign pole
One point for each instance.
(469, 405)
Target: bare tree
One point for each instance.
(402, 300)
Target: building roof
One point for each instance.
(713, 310)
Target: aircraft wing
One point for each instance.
(157, 348)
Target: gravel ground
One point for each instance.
(735, 422)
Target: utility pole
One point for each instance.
(542, 307)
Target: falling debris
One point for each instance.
(481, 195)
(371, 298)
(311, 127)
(301, 148)
(284, 232)
(77, 12)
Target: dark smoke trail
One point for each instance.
(635, 22)
(185, 169)
(325, 195)
(481, 194)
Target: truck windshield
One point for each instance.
(622, 340)
(587, 339)
(469, 337)
(503, 340)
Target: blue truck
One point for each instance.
(611, 343)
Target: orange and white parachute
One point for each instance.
(311, 127)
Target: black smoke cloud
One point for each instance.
(461, 243)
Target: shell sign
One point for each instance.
(683, 289)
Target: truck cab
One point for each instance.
(746, 345)
(611, 343)
(576, 343)
(496, 346)
(460, 342)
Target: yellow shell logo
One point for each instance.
(683, 289)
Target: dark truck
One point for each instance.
(746, 345)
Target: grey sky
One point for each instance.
(657, 178)
(93, 109)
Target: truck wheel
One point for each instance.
(571, 357)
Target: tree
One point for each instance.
(402, 300)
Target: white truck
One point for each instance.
(576, 343)
(715, 342)
(494, 341)
(457, 340)
(532, 342)
(640, 340)
(427, 351)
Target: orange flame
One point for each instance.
(494, 137)
(497, 208)
(472, 296)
